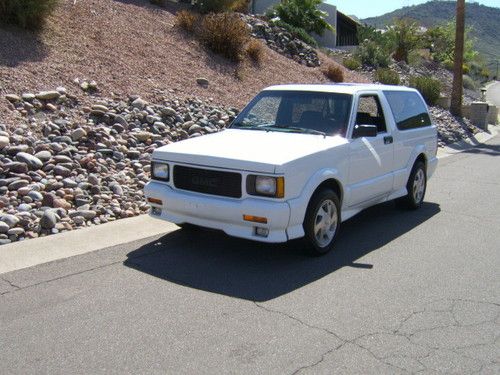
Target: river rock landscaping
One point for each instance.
(68, 164)
(281, 41)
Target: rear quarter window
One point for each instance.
(409, 110)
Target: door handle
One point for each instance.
(388, 139)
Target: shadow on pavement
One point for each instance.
(486, 149)
(214, 262)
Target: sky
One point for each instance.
(372, 8)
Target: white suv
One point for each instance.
(297, 161)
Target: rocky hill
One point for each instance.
(484, 20)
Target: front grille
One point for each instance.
(227, 184)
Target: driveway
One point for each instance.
(406, 291)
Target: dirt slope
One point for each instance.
(131, 47)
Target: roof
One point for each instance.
(341, 88)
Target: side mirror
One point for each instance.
(364, 131)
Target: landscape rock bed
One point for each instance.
(451, 129)
(281, 41)
(68, 165)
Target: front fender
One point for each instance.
(298, 206)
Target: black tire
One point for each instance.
(416, 187)
(321, 241)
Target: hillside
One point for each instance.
(132, 47)
(484, 20)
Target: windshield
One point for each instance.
(296, 111)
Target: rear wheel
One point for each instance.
(416, 186)
(322, 221)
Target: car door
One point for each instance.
(370, 158)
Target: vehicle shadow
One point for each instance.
(211, 261)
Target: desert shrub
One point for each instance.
(297, 32)
(303, 14)
(255, 50)
(28, 14)
(404, 37)
(241, 6)
(351, 63)
(186, 20)
(469, 83)
(429, 88)
(370, 53)
(387, 76)
(334, 73)
(215, 6)
(225, 34)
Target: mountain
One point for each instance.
(484, 20)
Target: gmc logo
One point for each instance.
(211, 182)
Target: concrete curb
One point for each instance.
(28, 253)
(467, 144)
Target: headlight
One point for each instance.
(266, 185)
(160, 171)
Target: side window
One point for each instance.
(409, 110)
(370, 112)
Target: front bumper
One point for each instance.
(221, 213)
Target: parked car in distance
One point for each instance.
(298, 161)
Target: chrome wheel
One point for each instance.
(325, 223)
(419, 186)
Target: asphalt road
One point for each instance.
(405, 292)
(493, 94)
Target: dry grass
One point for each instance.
(225, 34)
(255, 50)
(334, 73)
(187, 20)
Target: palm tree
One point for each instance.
(457, 88)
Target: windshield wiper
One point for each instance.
(301, 130)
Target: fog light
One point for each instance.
(262, 232)
(156, 211)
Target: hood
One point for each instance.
(250, 150)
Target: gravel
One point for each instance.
(84, 165)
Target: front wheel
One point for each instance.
(322, 221)
(416, 186)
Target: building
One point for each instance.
(346, 28)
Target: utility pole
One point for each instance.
(457, 88)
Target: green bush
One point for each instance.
(469, 83)
(429, 88)
(28, 14)
(304, 14)
(371, 54)
(351, 63)
(404, 37)
(297, 32)
(334, 73)
(387, 76)
(225, 34)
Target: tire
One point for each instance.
(416, 187)
(320, 229)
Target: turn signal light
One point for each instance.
(155, 201)
(255, 219)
